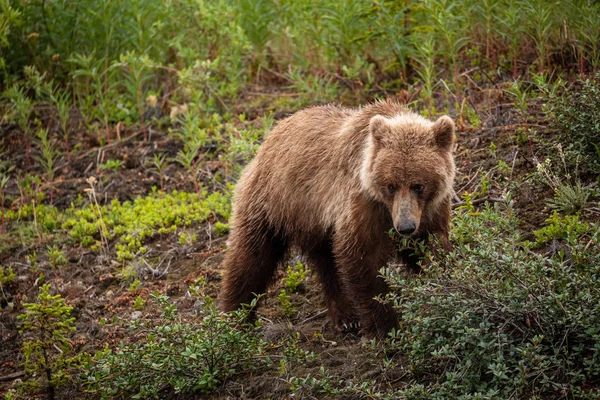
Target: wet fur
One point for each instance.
(315, 184)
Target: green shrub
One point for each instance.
(568, 228)
(494, 319)
(285, 301)
(221, 228)
(295, 277)
(9, 19)
(191, 356)
(575, 113)
(49, 360)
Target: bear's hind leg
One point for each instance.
(339, 308)
(250, 264)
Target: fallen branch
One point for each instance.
(12, 376)
(107, 146)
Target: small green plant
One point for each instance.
(492, 149)
(426, 68)
(111, 165)
(188, 159)
(139, 70)
(49, 360)
(62, 103)
(285, 301)
(185, 239)
(484, 187)
(312, 88)
(190, 356)
(568, 228)
(20, 112)
(139, 303)
(549, 89)
(568, 197)
(575, 114)
(521, 97)
(158, 165)
(295, 277)
(49, 155)
(197, 287)
(32, 260)
(293, 354)
(6, 276)
(244, 144)
(135, 285)
(472, 116)
(221, 228)
(503, 167)
(56, 257)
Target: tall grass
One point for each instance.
(323, 36)
(110, 54)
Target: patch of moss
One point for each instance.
(132, 223)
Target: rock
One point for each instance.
(136, 315)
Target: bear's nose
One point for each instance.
(406, 227)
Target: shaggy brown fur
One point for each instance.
(332, 182)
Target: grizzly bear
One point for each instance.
(332, 182)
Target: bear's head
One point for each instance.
(408, 166)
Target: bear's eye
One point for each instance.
(391, 189)
(418, 188)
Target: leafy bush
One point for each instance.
(285, 301)
(9, 18)
(187, 357)
(568, 228)
(295, 277)
(576, 114)
(294, 280)
(49, 361)
(494, 319)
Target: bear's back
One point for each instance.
(304, 170)
(307, 170)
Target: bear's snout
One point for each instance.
(406, 212)
(406, 227)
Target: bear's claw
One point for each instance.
(350, 326)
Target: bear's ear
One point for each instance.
(443, 132)
(378, 127)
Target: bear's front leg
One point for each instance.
(359, 255)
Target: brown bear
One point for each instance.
(332, 182)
